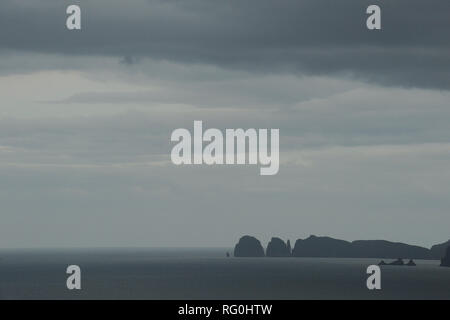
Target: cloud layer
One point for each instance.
(86, 118)
(313, 37)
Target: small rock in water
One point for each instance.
(411, 263)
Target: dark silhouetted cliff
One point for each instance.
(387, 249)
(438, 250)
(445, 261)
(329, 247)
(248, 247)
(277, 248)
(322, 247)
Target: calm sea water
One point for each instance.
(208, 274)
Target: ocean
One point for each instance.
(198, 273)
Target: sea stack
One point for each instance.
(248, 247)
(445, 261)
(277, 248)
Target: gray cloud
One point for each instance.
(176, 206)
(86, 117)
(375, 154)
(312, 37)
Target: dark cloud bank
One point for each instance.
(308, 37)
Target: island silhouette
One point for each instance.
(326, 247)
(445, 261)
(277, 248)
(439, 250)
(248, 246)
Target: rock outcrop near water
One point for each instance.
(248, 247)
(387, 249)
(445, 261)
(438, 250)
(398, 262)
(335, 248)
(327, 247)
(277, 248)
(411, 263)
(322, 247)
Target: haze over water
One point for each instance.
(208, 274)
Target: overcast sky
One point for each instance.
(86, 118)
